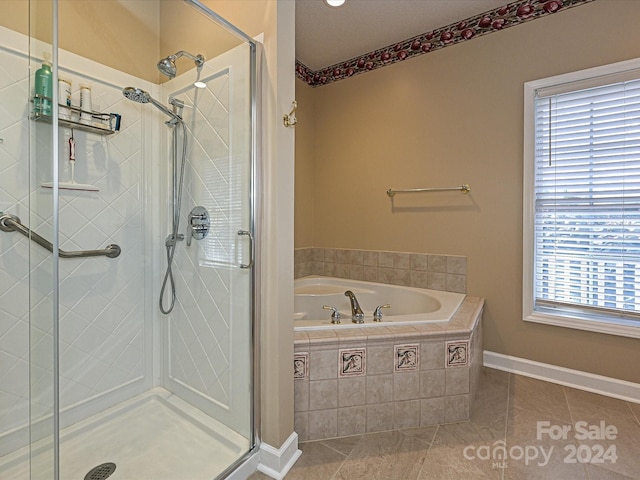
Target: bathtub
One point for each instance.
(408, 305)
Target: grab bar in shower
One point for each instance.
(11, 223)
(462, 188)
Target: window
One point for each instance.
(582, 200)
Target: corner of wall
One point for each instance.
(277, 226)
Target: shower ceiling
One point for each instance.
(326, 36)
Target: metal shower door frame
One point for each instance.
(254, 227)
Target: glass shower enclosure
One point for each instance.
(130, 351)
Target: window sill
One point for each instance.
(618, 327)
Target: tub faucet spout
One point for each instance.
(357, 315)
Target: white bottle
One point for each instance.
(64, 98)
(85, 104)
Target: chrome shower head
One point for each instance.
(136, 95)
(140, 96)
(167, 65)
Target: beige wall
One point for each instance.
(304, 174)
(132, 35)
(450, 117)
(15, 16)
(184, 28)
(120, 34)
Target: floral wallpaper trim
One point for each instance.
(512, 14)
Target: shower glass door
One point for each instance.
(95, 382)
(28, 286)
(208, 347)
(42, 218)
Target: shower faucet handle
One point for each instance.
(199, 224)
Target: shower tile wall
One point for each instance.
(101, 312)
(14, 299)
(200, 324)
(208, 331)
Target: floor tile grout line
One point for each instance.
(566, 399)
(553, 415)
(337, 451)
(424, 462)
(573, 420)
(402, 431)
(633, 413)
(346, 457)
(506, 419)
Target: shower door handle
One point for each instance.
(251, 249)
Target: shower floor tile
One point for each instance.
(153, 436)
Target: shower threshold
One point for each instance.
(153, 435)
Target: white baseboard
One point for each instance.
(611, 387)
(276, 462)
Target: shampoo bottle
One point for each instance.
(44, 86)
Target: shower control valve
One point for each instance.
(199, 224)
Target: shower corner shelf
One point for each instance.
(109, 129)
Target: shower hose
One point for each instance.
(172, 239)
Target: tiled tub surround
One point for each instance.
(352, 381)
(419, 270)
(401, 305)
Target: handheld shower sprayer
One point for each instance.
(140, 96)
(167, 65)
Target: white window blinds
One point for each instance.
(587, 199)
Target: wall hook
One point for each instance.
(289, 119)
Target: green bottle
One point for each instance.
(44, 86)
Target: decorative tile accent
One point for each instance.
(491, 21)
(407, 357)
(352, 362)
(457, 353)
(398, 386)
(301, 366)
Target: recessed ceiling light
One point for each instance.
(334, 3)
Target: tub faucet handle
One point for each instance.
(377, 313)
(335, 314)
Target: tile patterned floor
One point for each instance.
(509, 412)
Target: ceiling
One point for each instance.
(326, 36)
